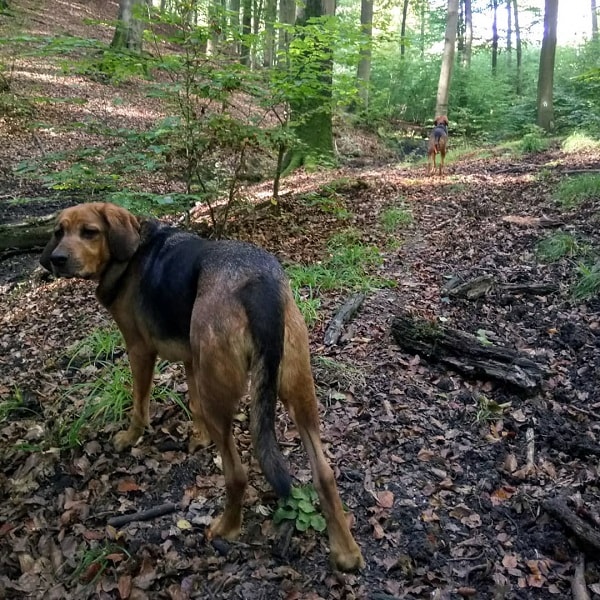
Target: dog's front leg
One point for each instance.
(142, 363)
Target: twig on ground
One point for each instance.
(143, 515)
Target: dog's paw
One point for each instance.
(126, 438)
(222, 527)
(348, 560)
(198, 439)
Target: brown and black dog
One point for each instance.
(225, 309)
(438, 142)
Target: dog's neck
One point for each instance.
(110, 283)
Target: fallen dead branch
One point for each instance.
(480, 286)
(557, 507)
(346, 312)
(143, 515)
(466, 353)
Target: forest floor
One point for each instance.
(448, 479)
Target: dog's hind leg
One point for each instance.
(200, 437)
(219, 371)
(297, 392)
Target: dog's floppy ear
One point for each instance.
(123, 232)
(48, 250)
(45, 257)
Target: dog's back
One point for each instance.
(438, 141)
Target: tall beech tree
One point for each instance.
(311, 110)
(364, 64)
(129, 30)
(443, 92)
(545, 89)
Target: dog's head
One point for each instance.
(87, 237)
(441, 120)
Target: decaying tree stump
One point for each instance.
(466, 353)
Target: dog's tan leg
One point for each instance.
(442, 158)
(218, 402)
(200, 437)
(297, 392)
(142, 363)
(220, 371)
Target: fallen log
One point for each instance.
(346, 312)
(27, 234)
(466, 353)
(481, 286)
(557, 507)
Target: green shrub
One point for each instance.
(572, 191)
(558, 246)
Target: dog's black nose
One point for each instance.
(58, 260)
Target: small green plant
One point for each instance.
(301, 508)
(578, 141)
(95, 561)
(572, 191)
(106, 400)
(482, 338)
(101, 346)
(489, 410)
(332, 205)
(533, 142)
(12, 404)
(588, 284)
(308, 304)
(558, 246)
(395, 217)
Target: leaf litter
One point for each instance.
(445, 477)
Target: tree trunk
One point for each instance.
(257, 14)
(311, 116)
(129, 30)
(287, 16)
(215, 23)
(234, 23)
(468, 34)
(519, 48)
(495, 37)
(423, 16)
(509, 30)
(402, 27)
(269, 47)
(443, 92)
(364, 65)
(594, 20)
(246, 31)
(545, 100)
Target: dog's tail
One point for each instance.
(264, 306)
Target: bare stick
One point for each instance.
(558, 508)
(530, 438)
(143, 515)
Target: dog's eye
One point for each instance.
(89, 233)
(58, 233)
